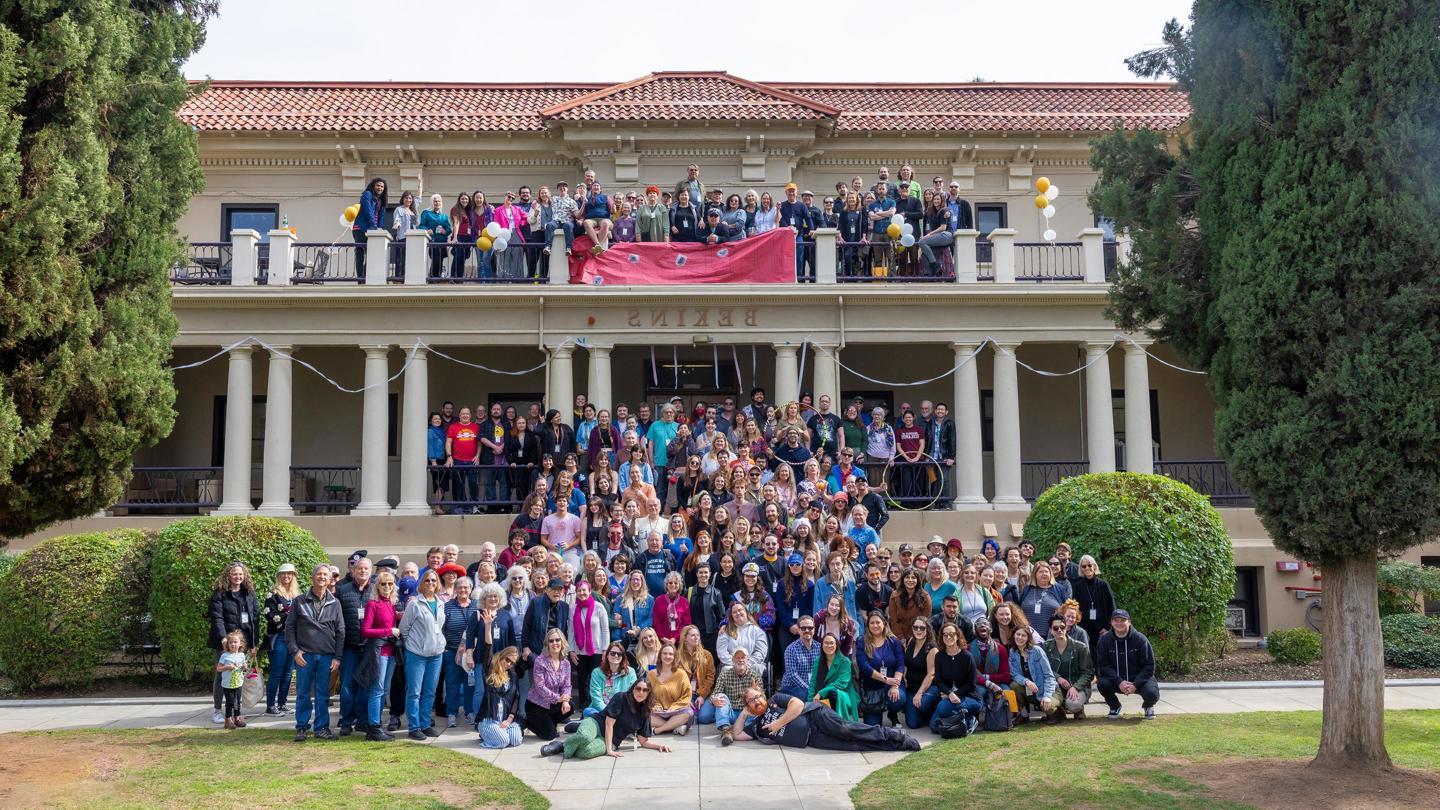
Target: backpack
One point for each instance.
(954, 726)
(997, 712)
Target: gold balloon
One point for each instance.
(352, 212)
(893, 230)
(1041, 201)
(484, 243)
(1042, 184)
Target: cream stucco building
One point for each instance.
(259, 431)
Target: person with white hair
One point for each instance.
(1096, 600)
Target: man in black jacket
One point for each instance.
(315, 634)
(353, 592)
(1125, 662)
(713, 231)
(707, 607)
(940, 444)
(875, 512)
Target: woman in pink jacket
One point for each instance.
(510, 263)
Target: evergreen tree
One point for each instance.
(1288, 246)
(95, 169)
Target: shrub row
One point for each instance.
(1412, 640)
(1298, 645)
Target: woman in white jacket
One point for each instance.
(420, 628)
(742, 633)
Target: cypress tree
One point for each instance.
(95, 170)
(1288, 246)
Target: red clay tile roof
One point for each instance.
(387, 107)
(689, 97)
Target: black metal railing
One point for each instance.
(329, 489)
(1209, 477)
(177, 490)
(858, 262)
(328, 262)
(1111, 254)
(465, 488)
(1049, 261)
(1038, 476)
(463, 263)
(204, 263)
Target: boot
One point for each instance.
(240, 721)
(552, 748)
(376, 734)
(229, 722)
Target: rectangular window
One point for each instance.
(987, 421)
(702, 376)
(989, 216)
(257, 431)
(260, 217)
(1117, 409)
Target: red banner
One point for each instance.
(767, 258)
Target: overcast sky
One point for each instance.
(764, 40)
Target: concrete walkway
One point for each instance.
(698, 773)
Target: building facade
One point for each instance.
(1012, 337)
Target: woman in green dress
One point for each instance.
(833, 679)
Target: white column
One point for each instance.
(377, 257)
(1002, 242)
(559, 264)
(235, 488)
(414, 437)
(1092, 254)
(374, 459)
(965, 270)
(562, 380)
(1007, 426)
(1139, 457)
(597, 380)
(787, 370)
(825, 254)
(969, 472)
(282, 259)
(1099, 413)
(417, 257)
(275, 499)
(243, 256)
(827, 376)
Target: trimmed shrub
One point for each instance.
(191, 554)
(1412, 640)
(1298, 645)
(7, 561)
(1161, 546)
(65, 607)
(1403, 584)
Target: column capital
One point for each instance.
(241, 351)
(786, 348)
(600, 347)
(1095, 348)
(376, 349)
(419, 352)
(279, 348)
(965, 347)
(1006, 346)
(1137, 345)
(564, 350)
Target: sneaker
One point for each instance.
(1150, 713)
(971, 723)
(417, 736)
(393, 725)
(1080, 715)
(910, 744)
(218, 718)
(1114, 714)
(552, 748)
(429, 731)
(453, 721)
(325, 734)
(682, 730)
(300, 735)
(271, 711)
(282, 709)
(572, 726)
(346, 731)
(376, 735)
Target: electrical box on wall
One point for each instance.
(1287, 566)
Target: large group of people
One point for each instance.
(714, 458)
(767, 631)
(691, 211)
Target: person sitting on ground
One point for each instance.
(1074, 671)
(499, 727)
(789, 721)
(627, 713)
(1126, 665)
(614, 676)
(670, 694)
(1031, 678)
(832, 680)
(741, 633)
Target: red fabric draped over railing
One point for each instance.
(767, 258)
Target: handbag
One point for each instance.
(997, 712)
(872, 701)
(953, 726)
(252, 688)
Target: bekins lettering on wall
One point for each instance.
(692, 317)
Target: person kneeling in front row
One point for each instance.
(627, 713)
(789, 721)
(1126, 664)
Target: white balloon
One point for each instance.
(493, 230)
(907, 240)
(906, 229)
(345, 223)
(1049, 235)
(1052, 192)
(505, 234)
(499, 245)
(1049, 211)
(897, 220)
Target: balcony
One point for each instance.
(415, 261)
(1209, 477)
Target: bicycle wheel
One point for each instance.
(1314, 616)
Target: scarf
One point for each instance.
(584, 611)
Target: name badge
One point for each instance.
(360, 613)
(795, 613)
(1037, 608)
(1092, 614)
(244, 618)
(494, 634)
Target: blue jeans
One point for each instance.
(590, 711)
(282, 669)
(705, 715)
(463, 483)
(350, 695)
(890, 706)
(457, 691)
(946, 708)
(915, 718)
(725, 714)
(567, 227)
(492, 736)
(421, 674)
(375, 702)
(312, 688)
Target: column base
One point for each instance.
(412, 509)
(371, 510)
(1009, 501)
(233, 509)
(275, 510)
(970, 504)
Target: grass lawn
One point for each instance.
(1177, 761)
(250, 768)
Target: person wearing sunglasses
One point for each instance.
(548, 701)
(613, 677)
(795, 723)
(627, 713)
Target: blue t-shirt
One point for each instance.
(660, 434)
(878, 226)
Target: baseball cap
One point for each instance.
(795, 559)
(712, 212)
(1120, 613)
(358, 555)
(789, 186)
(286, 568)
(807, 193)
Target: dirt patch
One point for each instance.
(1257, 665)
(1289, 783)
(445, 792)
(58, 771)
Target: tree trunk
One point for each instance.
(1353, 730)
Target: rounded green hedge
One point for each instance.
(66, 606)
(1161, 546)
(1412, 640)
(1298, 645)
(190, 555)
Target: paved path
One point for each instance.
(699, 773)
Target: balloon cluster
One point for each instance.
(902, 230)
(1045, 201)
(347, 217)
(494, 237)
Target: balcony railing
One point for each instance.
(997, 258)
(465, 488)
(324, 489)
(1209, 477)
(170, 490)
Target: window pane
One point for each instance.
(259, 219)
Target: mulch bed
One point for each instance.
(1257, 665)
(1286, 783)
